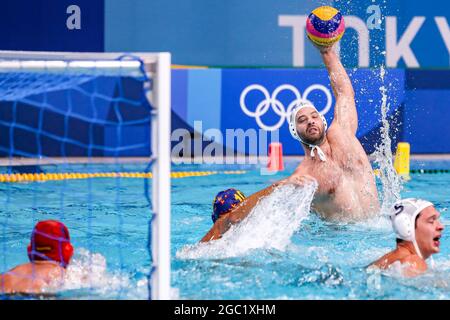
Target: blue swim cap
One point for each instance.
(225, 201)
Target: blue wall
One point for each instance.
(248, 33)
(427, 111)
(106, 116)
(109, 125)
(40, 25)
(224, 109)
(217, 32)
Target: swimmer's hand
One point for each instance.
(299, 180)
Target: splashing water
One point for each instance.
(269, 225)
(87, 275)
(432, 279)
(391, 183)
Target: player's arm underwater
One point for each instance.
(345, 110)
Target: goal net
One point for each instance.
(85, 140)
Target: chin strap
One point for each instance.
(319, 152)
(432, 265)
(417, 249)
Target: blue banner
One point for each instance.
(209, 103)
(263, 99)
(397, 34)
(52, 25)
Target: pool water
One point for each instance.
(280, 252)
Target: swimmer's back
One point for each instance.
(416, 264)
(30, 278)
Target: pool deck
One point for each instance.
(20, 161)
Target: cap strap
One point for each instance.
(417, 248)
(319, 152)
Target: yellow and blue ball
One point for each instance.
(325, 26)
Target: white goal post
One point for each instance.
(157, 67)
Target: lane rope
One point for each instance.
(28, 177)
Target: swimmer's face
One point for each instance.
(309, 125)
(429, 231)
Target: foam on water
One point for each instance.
(433, 278)
(270, 225)
(379, 222)
(88, 275)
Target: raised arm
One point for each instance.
(345, 110)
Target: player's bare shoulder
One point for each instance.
(340, 139)
(346, 148)
(339, 135)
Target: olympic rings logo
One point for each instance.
(271, 101)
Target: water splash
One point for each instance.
(437, 278)
(269, 225)
(391, 183)
(87, 276)
(376, 223)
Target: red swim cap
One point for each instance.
(50, 240)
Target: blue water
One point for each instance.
(109, 219)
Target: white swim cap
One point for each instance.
(403, 216)
(294, 133)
